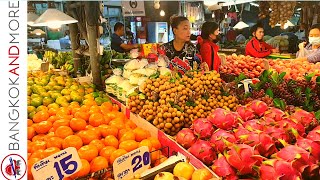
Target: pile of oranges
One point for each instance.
(99, 133)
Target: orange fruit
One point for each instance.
(87, 136)
(129, 145)
(85, 108)
(155, 155)
(82, 114)
(74, 110)
(117, 153)
(89, 127)
(155, 143)
(108, 130)
(128, 136)
(40, 116)
(30, 163)
(161, 159)
(39, 137)
(63, 116)
(117, 123)
(31, 132)
(30, 122)
(64, 111)
(88, 152)
(36, 145)
(115, 107)
(54, 142)
(53, 111)
(146, 142)
(77, 124)
(97, 131)
(98, 163)
(63, 131)
(122, 132)
(52, 119)
(94, 109)
(85, 169)
(140, 134)
(38, 154)
(60, 122)
(99, 144)
(43, 127)
(50, 151)
(96, 119)
(106, 107)
(111, 141)
(72, 141)
(130, 124)
(107, 151)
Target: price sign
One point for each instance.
(57, 166)
(132, 163)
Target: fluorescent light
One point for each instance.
(212, 15)
(299, 9)
(54, 18)
(241, 25)
(254, 4)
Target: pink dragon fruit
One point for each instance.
(220, 139)
(240, 131)
(222, 168)
(261, 141)
(277, 133)
(243, 157)
(202, 128)
(253, 125)
(287, 124)
(309, 145)
(223, 119)
(274, 113)
(267, 121)
(299, 157)
(314, 135)
(186, 138)
(274, 169)
(307, 119)
(203, 151)
(246, 113)
(258, 107)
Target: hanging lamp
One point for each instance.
(54, 18)
(32, 16)
(241, 24)
(38, 32)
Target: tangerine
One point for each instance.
(82, 114)
(72, 141)
(115, 154)
(96, 119)
(155, 143)
(31, 132)
(111, 141)
(61, 122)
(99, 144)
(40, 116)
(85, 169)
(146, 142)
(77, 124)
(63, 131)
(140, 134)
(43, 127)
(50, 151)
(30, 122)
(128, 136)
(107, 151)
(98, 163)
(54, 142)
(129, 145)
(108, 130)
(87, 136)
(38, 154)
(88, 152)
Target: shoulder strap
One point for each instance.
(212, 57)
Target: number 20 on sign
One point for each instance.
(57, 166)
(132, 163)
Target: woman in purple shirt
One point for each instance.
(311, 52)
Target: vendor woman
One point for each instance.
(256, 47)
(180, 51)
(311, 52)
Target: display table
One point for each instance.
(281, 56)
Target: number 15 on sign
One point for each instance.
(132, 163)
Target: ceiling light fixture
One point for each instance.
(54, 18)
(241, 24)
(162, 13)
(37, 32)
(31, 17)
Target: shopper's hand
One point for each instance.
(276, 50)
(302, 45)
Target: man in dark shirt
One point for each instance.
(117, 43)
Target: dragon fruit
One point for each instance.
(223, 119)
(186, 138)
(246, 113)
(314, 135)
(287, 124)
(240, 131)
(243, 157)
(253, 124)
(202, 128)
(222, 168)
(274, 113)
(277, 133)
(299, 157)
(307, 119)
(259, 107)
(274, 169)
(220, 139)
(203, 151)
(309, 145)
(261, 141)
(267, 121)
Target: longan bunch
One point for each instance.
(136, 104)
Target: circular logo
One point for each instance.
(133, 4)
(13, 167)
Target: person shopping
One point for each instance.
(256, 47)
(180, 51)
(208, 48)
(311, 52)
(117, 43)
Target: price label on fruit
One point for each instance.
(134, 162)
(57, 166)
